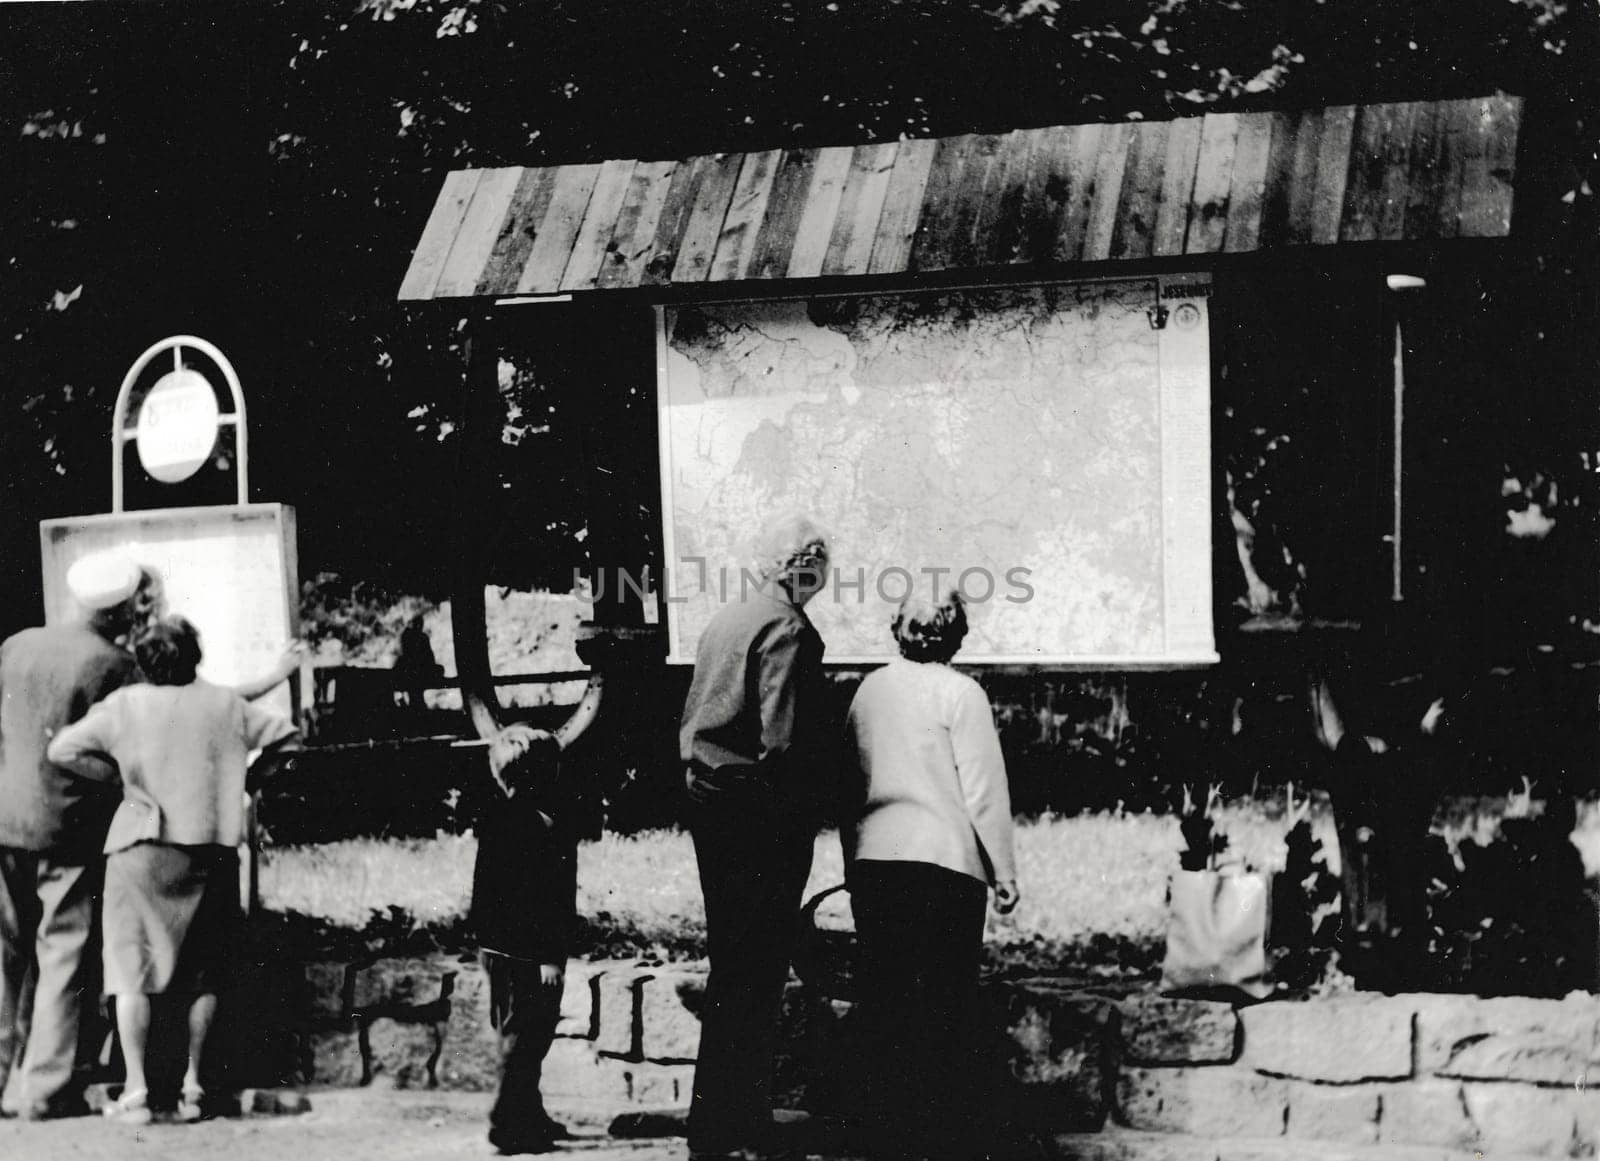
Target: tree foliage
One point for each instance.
(259, 177)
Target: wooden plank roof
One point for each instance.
(1034, 198)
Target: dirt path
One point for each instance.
(377, 1125)
(347, 1125)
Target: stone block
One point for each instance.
(1585, 1104)
(669, 1015)
(1168, 1030)
(1208, 1101)
(399, 983)
(403, 1053)
(1425, 1112)
(578, 1007)
(1339, 1040)
(335, 1059)
(573, 1069)
(1059, 1050)
(1507, 1038)
(323, 1001)
(469, 1059)
(1517, 1118)
(617, 998)
(1547, 1059)
(659, 1085)
(1347, 1114)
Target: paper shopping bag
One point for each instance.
(1217, 933)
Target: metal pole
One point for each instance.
(1400, 285)
(1397, 594)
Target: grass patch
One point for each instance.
(1094, 889)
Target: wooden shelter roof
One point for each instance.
(1030, 199)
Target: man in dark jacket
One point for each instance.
(52, 824)
(751, 742)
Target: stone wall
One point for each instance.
(424, 1022)
(1495, 1075)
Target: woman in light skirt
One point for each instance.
(181, 745)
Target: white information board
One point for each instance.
(1045, 449)
(230, 569)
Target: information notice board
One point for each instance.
(230, 569)
(1044, 449)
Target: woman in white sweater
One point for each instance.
(930, 835)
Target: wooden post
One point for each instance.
(478, 432)
(467, 613)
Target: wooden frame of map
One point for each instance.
(1043, 448)
(231, 569)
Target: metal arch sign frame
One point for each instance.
(121, 433)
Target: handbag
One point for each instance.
(1217, 923)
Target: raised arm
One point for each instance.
(287, 665)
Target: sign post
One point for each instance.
(179, 419)
(230, 568)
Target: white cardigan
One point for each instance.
(934, 780)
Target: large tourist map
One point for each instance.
(1015, 443)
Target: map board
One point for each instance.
(1044, 448)
(230, 569)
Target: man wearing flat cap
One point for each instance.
(52, 824)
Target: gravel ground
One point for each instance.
(347, 1125)
(375, 1124)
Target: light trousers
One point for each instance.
(46, 928)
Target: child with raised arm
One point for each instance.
(524, 891)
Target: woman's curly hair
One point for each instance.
(930, 630)
(168, 652)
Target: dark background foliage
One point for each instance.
(257, 176)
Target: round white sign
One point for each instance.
(177, 425)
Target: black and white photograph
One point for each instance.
(800, 580)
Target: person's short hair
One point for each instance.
(790, 542)
(929, 630)
(168, 652)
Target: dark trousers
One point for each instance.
(919, 931)
(753, 863)
(525, 1013)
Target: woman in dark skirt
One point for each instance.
(181, 745)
